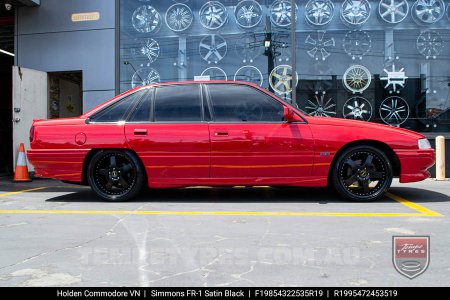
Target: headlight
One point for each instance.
(424, 144)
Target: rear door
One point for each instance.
(249, 138)
(168, 133)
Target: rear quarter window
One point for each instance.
(119, 110)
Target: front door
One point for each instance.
(249, 138)
(167, 132)
(29, 102)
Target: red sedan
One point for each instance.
(220, 133)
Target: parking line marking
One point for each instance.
(422, 211)
(425, 211)
(206, 213)
(22, 191)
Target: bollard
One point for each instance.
(440, 158)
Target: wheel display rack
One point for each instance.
(235, 31)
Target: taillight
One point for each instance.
(31, 134)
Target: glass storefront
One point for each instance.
(385, 61)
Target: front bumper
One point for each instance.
(414, 164)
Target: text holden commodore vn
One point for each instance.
(220, 133)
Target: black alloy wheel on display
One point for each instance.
(115, 175)
(362, 173)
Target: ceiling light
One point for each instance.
(6, 52)
(8, 5)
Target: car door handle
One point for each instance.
(221, 133)
(140, 131)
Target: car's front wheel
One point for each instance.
(115, 175)
(362, 173)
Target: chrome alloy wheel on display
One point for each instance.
(448, 11)
(249, 74)
(282, 80)
(248, 48)
(144, 76)
(213, 15)
(394, 111)
(215, 73)
(355, 12)
(248, 14)
(393, 11)
(357, 43)
(430, 44)
(321, 106)
(357, 79)
(395, 79)
(428, 11)
(148, 48)
(146, 19)
(179, 17)
(357, 108)
(320, 45)
(319, 12)
(284, 52)
(280, 13)
(213, 48)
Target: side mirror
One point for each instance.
(290, 116)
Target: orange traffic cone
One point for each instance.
(21, 172)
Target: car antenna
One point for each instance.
(126, 62)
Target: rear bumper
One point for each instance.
(58, 164)
(414, 164)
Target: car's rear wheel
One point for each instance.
(115, 175)
(362, 173)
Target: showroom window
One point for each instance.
(384, 61)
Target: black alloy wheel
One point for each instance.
(115, 175)
(362, 173)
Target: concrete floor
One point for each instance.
(62, 235)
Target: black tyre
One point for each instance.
(362, 173)
(115, 175)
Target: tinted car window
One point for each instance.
(118, 111)
(141, 112)
(240, 103)
(178, 103)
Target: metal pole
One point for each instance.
(269, 52)
(294, 52)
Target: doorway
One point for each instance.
(65, 94)
(6, 63)
(42, 95)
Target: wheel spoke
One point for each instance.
(112, 161)
(103, 172)
(349, 181)
(368, 161)
(365, 185)
(109, 184)
(125, 169)
(352, 164)
(123, 182)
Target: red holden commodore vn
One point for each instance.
(220, 133)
